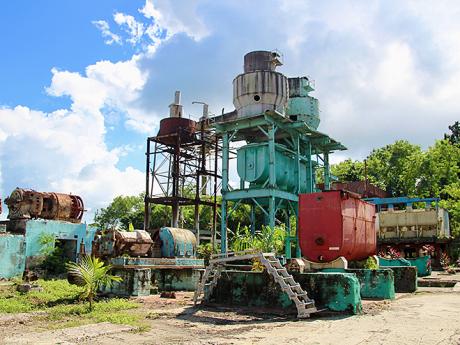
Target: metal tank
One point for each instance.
(334, 224)
(175, 129)
(28, 203)
(113, 243)
(177, 242)
(302, 106)
(413, 223)
(260, 87)
(253, 167)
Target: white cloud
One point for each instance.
(65, 150)
(177, 17)
(132, 27)
(104, 27)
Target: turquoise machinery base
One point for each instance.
(374, 284)
(167, 274)
(335, 291)
(423, 264)
(405, 278)
(18, 251)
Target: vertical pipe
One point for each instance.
(225, 158)
(287, 242)
(214, 206)
(298, 166)
(271, 155)
(271, 212)
(223, 227)
(298, 254)
(147, 185)
(310, 170)
(253, 219)
(327, 172)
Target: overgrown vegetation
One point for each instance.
(61, 302)
(91, 274)
(54, 258)
(266, 240)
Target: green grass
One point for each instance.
(60, 301)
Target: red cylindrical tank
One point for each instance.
(334, 224)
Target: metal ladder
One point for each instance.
(208, 281)
(305, 306)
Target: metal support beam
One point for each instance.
(225, 158)
(327, 172)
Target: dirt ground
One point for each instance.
(431, 316)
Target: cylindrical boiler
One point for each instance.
(28, 203)
(260, 87)
(253, 166)
(177, 242)
(334, 224)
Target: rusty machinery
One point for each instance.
(28, 203)
(113, 243)
(181, 167)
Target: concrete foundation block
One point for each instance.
(176, 279)
(136, 282)
(335, 291)
(378, 283)
(405, 278)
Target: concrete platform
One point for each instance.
(335, 291)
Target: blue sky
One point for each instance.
(83, 83)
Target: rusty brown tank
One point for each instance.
(176, 130)
(112, 243)
(28, 203)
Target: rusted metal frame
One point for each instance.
(214, 206)
(147, 187)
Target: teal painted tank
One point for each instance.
(302, 106)
(177, 242)
(253, 167)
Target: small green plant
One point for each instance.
(204, 251)
(370, 264)
(46, 242)
(266, 240)
(92, 274)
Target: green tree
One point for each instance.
(91, 274)
(454, 137)
(396, 167)
(348, 170)
(440, 167)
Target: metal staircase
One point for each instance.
(305, 306)
(208, 282)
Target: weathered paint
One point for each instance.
(405, 278)
(423, 264)
(177, 263)
(27, 247)
(12, 255)
(136, 282)
(335, 291)
(61, 231)
(177, 242)
(176, 280)
(375, 283)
